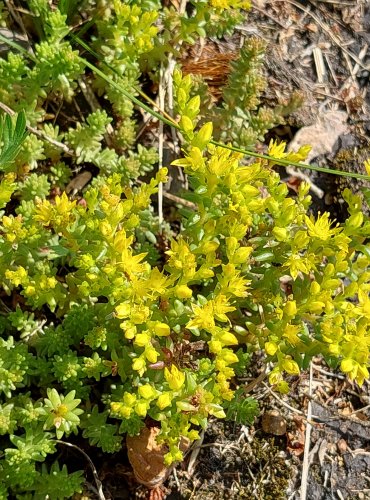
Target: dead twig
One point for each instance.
(179, 200)
(18, 19)
(161, 98)
(255, 382)
(274, 395)
(99, 484)
(326, 372)
(319, 64)
(307, 442)
(337, 416)
(195, 452)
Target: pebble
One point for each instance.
(273, 423)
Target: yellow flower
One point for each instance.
(275, 376)
(227, 338)
(232, 283)
(228, 4)
(13, 228)
(271, 348)
(161, 175)
(129, 329)
(141, 408)
(17, 277)
(363, 309)
(315, 288)
(131, 264)
(348, 365)
(231, 246)
(161, 329)
(155, 285)
(183, 292)
(129, 399)
(282, 387)
(277, 150)
(123, 311)
(139, 365)
(175, 378)
(290, 308)
(151, 354)
(220, 4)
(203, 317)
(280, 233)
(367, 166)
(164, 400)
(300, 155)
(123, 410)
(30, 291)
(290, 366)
(221, 307)
(228, 356)
(215, 346)
(139, 314)
(291, 334)
(297, 263)
(181, 258)
(320, 228)
(60, 214)
(47, 282)
(142, 339)
(355, 370)
(193, 435)
(193, 162)
(146, 391)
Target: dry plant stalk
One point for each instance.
(146, 457)
(213, 66)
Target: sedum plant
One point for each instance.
(109, 319)
(250, 270)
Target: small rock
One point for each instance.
(321, 135)
(273, 423)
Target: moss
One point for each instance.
(270, 470)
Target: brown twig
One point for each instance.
(99, 484)
(261, 377)
(307, 442)
(195, 452)
(289, 407)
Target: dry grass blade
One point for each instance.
(161, 98)
(213, 67)
(306, 463)
(195, 452)
(99, 484)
